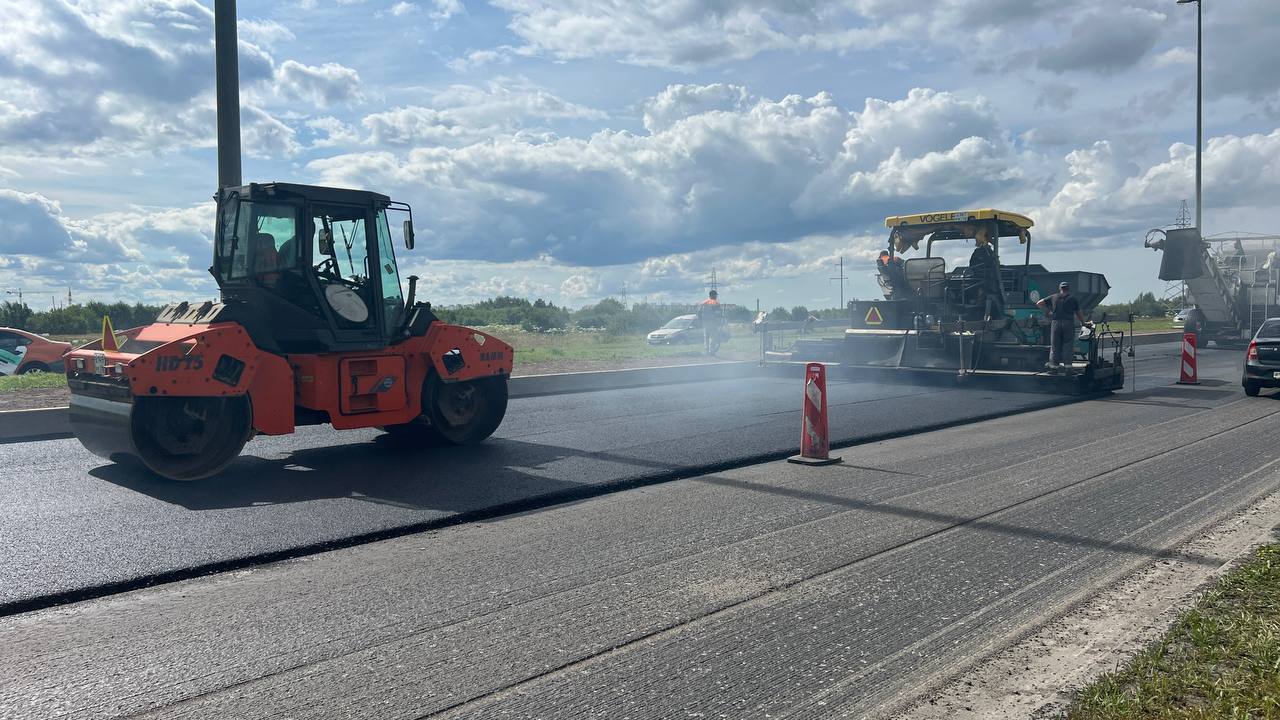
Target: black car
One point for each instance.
(1262, 361)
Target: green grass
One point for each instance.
(1141, 325)
(32, 381)
(1221, 659)
(541, 348)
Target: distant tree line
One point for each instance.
(1145, 305)
(801, 312)
(76, 319)
(608, 315)
(536, 316)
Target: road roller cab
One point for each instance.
(311, 328)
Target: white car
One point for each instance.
(678, 330)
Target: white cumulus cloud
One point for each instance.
(761, 170)
(322, 85)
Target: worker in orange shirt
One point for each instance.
(711, 316)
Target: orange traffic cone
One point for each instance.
(1188, 375)
(814, 445)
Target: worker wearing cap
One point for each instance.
(711, 316)
(1063, 311)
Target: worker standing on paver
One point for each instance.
(711, 316)
(1063, 311)
(985, 267)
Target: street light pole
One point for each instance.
(227, 85)
(1199, 106)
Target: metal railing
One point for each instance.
(781, 335)
(1233, 269)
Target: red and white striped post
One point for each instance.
(1188, 376)
(814, 441)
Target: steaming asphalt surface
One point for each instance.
(769, 590)
(72, 522)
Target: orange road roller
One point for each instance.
(311, 328)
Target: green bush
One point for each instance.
(76, 319)
(1145, 305)
(536, 316)
(616, 319)
(15, 315)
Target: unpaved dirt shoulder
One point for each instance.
(34, 398)
(1036, 676)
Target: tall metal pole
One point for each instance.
(841, 279)
(1199, 111)
(227, 78)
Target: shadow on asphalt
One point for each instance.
(950, 521)
(500, 475)
(1191, 391)
(1167, 395)
(384, 471)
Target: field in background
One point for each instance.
(534, 349)
(75, 340)
(1147, 325)
(536, 353)
(538, 348)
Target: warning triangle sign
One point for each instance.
(108, 336)
(873, 316)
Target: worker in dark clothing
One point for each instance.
(711, 316)
(1063, 311)
(892, 276)
(986, 271)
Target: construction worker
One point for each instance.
(1063, 312)
(986, 270)
(892, 276)
(711, 316)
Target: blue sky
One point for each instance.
(570, 149)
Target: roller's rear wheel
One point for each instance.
(190, 438)
(460, 413)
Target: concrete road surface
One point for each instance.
(764, 591)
